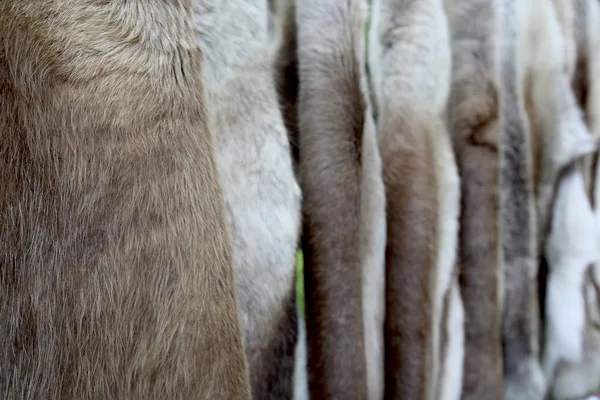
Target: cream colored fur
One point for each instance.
(254, 163)
(450, 386)
(449, 369)
(373, 236)
(373, 240)
(593, 40)
(557, 119)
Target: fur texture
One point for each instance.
(262, 195)
(573, 380)
(556, 120)
(580, 79)
(410, 65)
(451, 377)
(300, 373)
(285, 71)
(449, 353)
(344, 202)
(473, 114)
(593, 100)
(577, 379)
(586, 83)
(565, 15)
(373, 241)
(572, 246)
(558, 136)
(114, 252)
(520, 330)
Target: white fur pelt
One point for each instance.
(576, 379)
(571, 247)
(300, 372)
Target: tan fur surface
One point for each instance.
(473, 113)
(410, 182)
(332, 117)
(410, 67)
(115, 258)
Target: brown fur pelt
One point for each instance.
(343, 199)
(410, 182)
(115, 258)
(473, 111)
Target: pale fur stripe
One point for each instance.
(572, 245)
(300, 374)
(452, 370)
(448, 214)
(373, 241)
